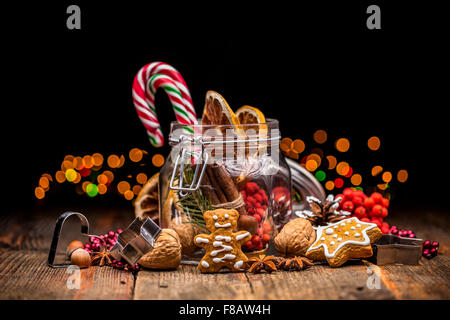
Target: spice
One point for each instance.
(257, 264)
(294, 264)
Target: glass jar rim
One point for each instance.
(270, 124)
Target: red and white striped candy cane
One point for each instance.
(151, 77)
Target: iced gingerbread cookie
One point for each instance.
(343, 240)
(222, 245)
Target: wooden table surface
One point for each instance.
(24, 274)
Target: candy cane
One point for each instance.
(144, 87)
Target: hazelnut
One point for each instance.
(248, 223)
(295, 238)
(81, 258)
(76, 244)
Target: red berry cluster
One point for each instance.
(107, 241)
(256, 203)
(402, 232)
(125, 266)
(430, 249)
(373, 208)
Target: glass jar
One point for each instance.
(228, 166)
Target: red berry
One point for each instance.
(427, 244)
(243, 194)
(249, 244)
(348, 194)
(384, 212)
(260, 211)
(377, 197)
(265, 238)
(258, 197)
(385, 227)
(360, 212)
(377, 222)
(369, 203)
(348, 206)
(426, 251)
(435, 244)
(111, 234)
(357, 201)
(257, 217)
(365, 220)
(340, 196)
(377, 211)
(385, 202)
(256, 239)
(119, 231)
(251, 188)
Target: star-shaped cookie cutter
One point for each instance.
(391, 249)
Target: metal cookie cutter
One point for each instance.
(135, 241)
(56, 234)
(391, 249)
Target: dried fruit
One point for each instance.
(295, 238)
(166, 253)
(146, 204)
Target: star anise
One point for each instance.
(102, 258)
(295, 264)
(257, 264)
(323, 213)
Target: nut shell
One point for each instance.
(295, 238)
(80, 258)
(166, 254)
(76, 244)
(186, 232)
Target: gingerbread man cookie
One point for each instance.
(222, 245)
(343, 240)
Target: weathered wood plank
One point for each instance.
(25, 275)
(428, 280)
(188, 283)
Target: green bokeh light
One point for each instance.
(320, 175)
(91, 190)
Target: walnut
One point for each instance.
(186, 231)
(166, 254)
(295, 238)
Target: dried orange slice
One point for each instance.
(217, 111)
(253, 119)
(250, 115)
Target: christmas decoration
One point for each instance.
(324, 213)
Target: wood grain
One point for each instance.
(24, 274)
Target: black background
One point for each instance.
(312, 66)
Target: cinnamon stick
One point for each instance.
(216, 185)
(227, 185)
(208, 189)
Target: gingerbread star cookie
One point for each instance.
(343, 240)
(222, 245)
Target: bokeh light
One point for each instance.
(311, 165)
(97, 158)
(338, 183)
(39, 193)
(77, 178)
(158, 160)
(374, 143)
(78, 163)
(320, 175)
(329, 185)
(342, 168)
(91, 190)
(298, 146)
(66, 165)
(382, 186)
(71, 175)
(342, 145)
(356, 179)
(135, 155)
(123, 186)
(60, 176)
(320, 136)
(113, 161)
(285, 144)
(121, 161)
(141, 178)
(44, 183)
(88, 161)
(129, 195)
(331, 162)
(386, 177)
(349, 172)
(102, 178)
(402, 176)
(102, 188)
(84, 185)
(109, 174)
(376, 170)
(136, 189)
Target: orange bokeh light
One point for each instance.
(298, 146)
(386, 177)
(402, 176)
(342, 145)
(377, 170)
(356, 179)
(135, 154)
(158, 160)
(141, 178)
(123, 186)
(129, 195)
(374, 143)
(320, 136)
(113, 161)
